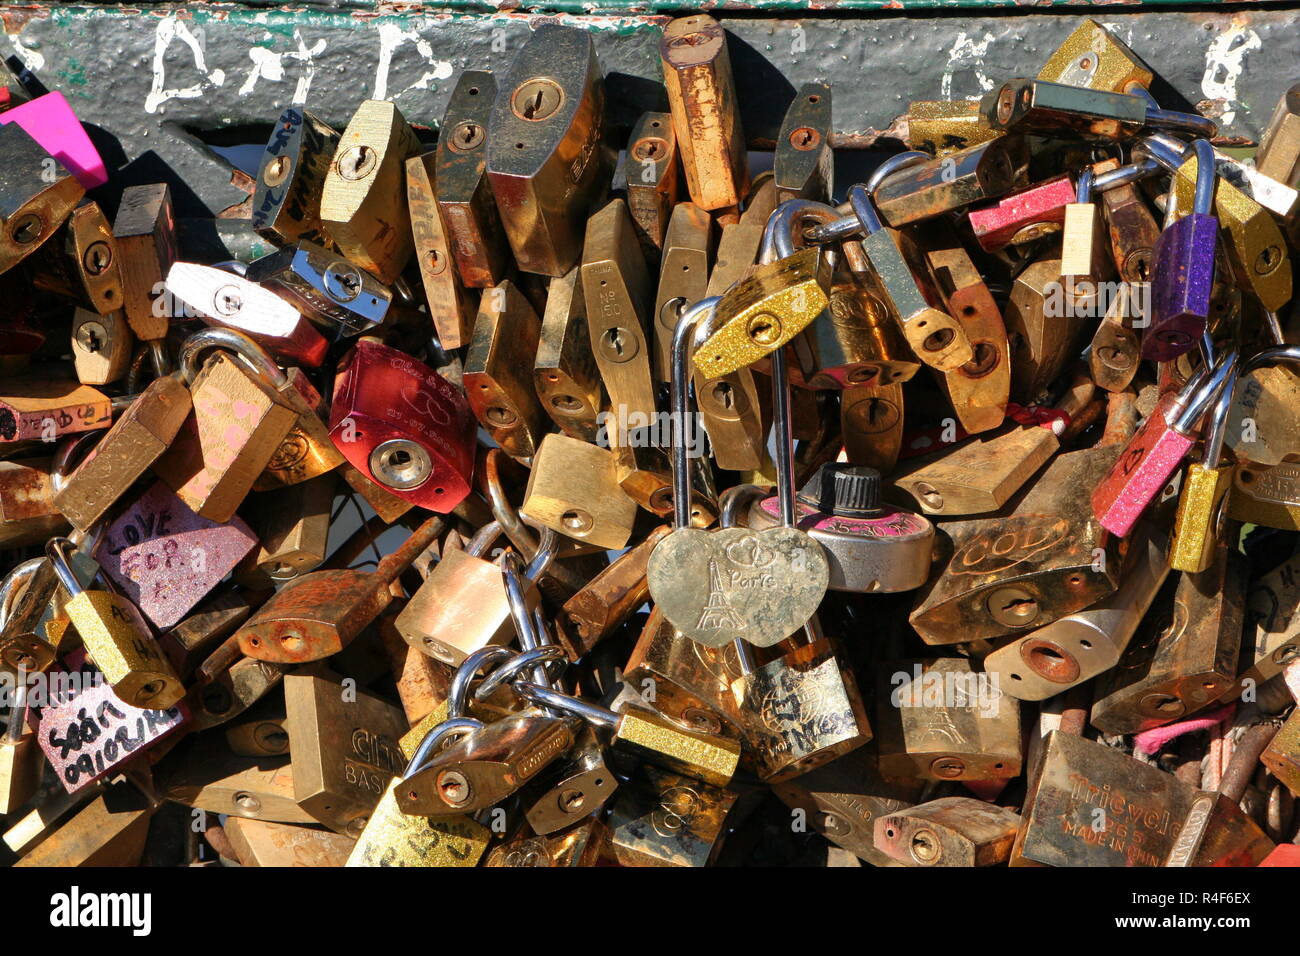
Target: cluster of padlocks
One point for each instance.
(735, 525)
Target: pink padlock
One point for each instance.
(165, 558)
(50, 121)
(1038, 206)
(1158, 447)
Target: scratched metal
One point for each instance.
(141, 76)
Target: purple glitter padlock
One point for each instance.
(1182, 270)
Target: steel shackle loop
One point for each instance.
(846, 223)
(433, 740)
(679, 401)
(254, 357)
(785, 224)
(511, 669)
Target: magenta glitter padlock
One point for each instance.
(1182, 266)
(51, 122)
(871, 547)
(86, 731)
(165, 558)
(1157, 448)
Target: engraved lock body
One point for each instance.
(320, 613)
(871, 547)
(1022, 216)
(469, 213)
(1183, 659)
(444, 294)
(403, 426)
(938, 719)
(328, 289)
(565, 373)
(119, 640)
(497, 375)
(1158, 447)
(286, 199)
(572, 789)
(951, 831)
(462, 606)
(394, 838)
(44, 409)
(706, 116)
(228, 301)
(545, 156)
(653, 174)
(361, 205)
(662, 819)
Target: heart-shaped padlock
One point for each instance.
(734, 583)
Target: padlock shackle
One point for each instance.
(865, 210)
(254, 357)
(507, 672)
(1193, 124)
(14, 584)
(553, 700)
(458, 692)
(786, 223)
(434, 739)
(1274, 355)
(1172, 154)
(734, 499)
(56, 552)
(1143, 168)
(1085, 187)
(679, 400)
(846, 222)
(1199, 397)
(68, 455)
(1217, 429)
(530, 638)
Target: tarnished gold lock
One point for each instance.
(37, 193)
(1093, 57)
(687, 253)
(803, 166)
(1042, 323)
(653, 176)
(595, 509)
(394, 838)
(606, 601)
(662, 819)
(84, 266)
(565, 373)
(29, 513)
(497, 377)
(102, 346)
(871, 420)
(145, 234)
(944, 127)
(951, 831)
(448, 303)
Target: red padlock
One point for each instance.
(403, 426)
(1040, 208)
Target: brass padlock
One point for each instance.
(803, 165)
(37, 194)
(662, 819)
(261, 843)
(944, 127)
(444, 294)
(286, 199)
(653, 177)
(394, 838)
(871, 420)
(102, 346)
(83, 267)
(687, 253)
(497, 377)
(565, 373)
(292, 526)
(1093, 57)
(43, 409)
(946, 184)
(573, 489)
(605, 603)
(951, 831)
(145, 234)
(361, 205)
(1043, 324)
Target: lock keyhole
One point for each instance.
(805, 138)
(357, 162)
(537, 99)
(467, 135)
(97, 258)
(92, 336)
(724, 395)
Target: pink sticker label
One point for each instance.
(86, 731)
(166, 558)
(51, 122)
(890, 523)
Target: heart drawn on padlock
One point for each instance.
(734, 583)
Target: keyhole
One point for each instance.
(92, 336)
(537, 99)
(227, 300)
(618, 345)
(805, 138)
(357, 162)
(467, 135)
(724, 395)
(26, 229)
(97, 258)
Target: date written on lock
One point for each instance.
(89, 731)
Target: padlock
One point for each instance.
(497, 378)
(1132, 229)
(1116, 350)
(616, 289)
(292, 527)
(20, 767)
(84, 265)
(102, 346)
(576, 788)
(361, 207)
(325, 287)
(1059, 109)
(1255, 246)
(469, 213)
(871, 547)
(31, 635)
(708, 758)
(344, 747)
(581, 845)
(605, 603)
(1155, 451)
(950, 831)
(1184, 660)
(800, 710)
(220, 695)
(44, 409)
(979, 389)
(37, 195)
(110, 830)
(117, 637)
(871, 420)
(444, 295)
(927, 190)
(546, 160)
(939, 719)
(773, 302)
(565, 374)
(145, 234)
(1047, 559)
(720, 586)
(705, 111)
(462, 606)
(188, 643)
(1269, 643)
(403, 426)
(685, 274)
(225, 300)
(1278, 155)
(1093, 57)
(1076, 647)
(595, 509)
(1043, 325)
(265, 844)
(943, 127)
(142, 433)
(662, 819)
(802, 163)
(290, 177)
(981, 475)
(1202, 502)
(320, 613)
(164, 558)
(1182, 269)
(394, 838)
(1083, 244)
(1024, 216)
(204, 774)
(28, 511)
(653, 176)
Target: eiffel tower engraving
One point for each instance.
(718, 614)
